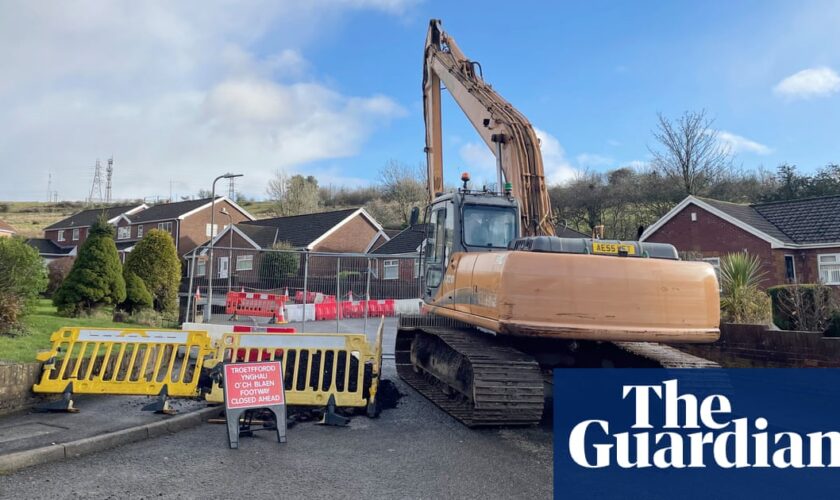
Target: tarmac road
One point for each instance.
(413, 451)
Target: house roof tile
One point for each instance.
(298, 230)
(47, 247)
(86, 218)
(408, 241)
(748, 214)
(812, 220)
(167, 211)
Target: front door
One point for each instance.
(223, 267)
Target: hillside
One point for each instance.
(30, 218)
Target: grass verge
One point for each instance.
(42, 322)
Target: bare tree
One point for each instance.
(293, 195)
(404, 186)
(690, 151)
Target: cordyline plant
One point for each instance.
(741, 297)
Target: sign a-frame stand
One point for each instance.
(252, 386)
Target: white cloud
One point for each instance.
(808, 83)
(476, 156)
(482, 163)
(557, 167)
(175, 91)
(739, 144)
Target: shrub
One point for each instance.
(807, 307)
(741, 298)
(22, 279)
(281, 263)
(151, 318)
(155, 260)
(137, 296)
(96, 277)
(11, 310)
(57, 272)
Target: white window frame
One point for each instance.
(140, 231)
(201, 267)
(390, 263)
(207, 230)
(249, 259)
(61, 235)
(165, 226)
(76, 234)
(123, 232)
(835, 265)
(416, 268)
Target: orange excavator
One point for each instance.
(505, 300)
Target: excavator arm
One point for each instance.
(504, 130)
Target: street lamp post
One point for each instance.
(209, 314)
(231, 267)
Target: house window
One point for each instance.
(140, 231)
(123, 233)
(75, 235)
(244, 262)
(201, 267)
(391, 269)
(61, 235)
(165, 226)
(829, 266)
(416, 268)
(207, 230)
(715, 262)
(790, 269)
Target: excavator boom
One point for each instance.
(505, 131)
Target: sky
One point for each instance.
(180, 92)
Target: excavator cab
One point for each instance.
(465, 221)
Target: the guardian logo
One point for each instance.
(694, 433)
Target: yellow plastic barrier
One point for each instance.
(131, 361)
(315, 365)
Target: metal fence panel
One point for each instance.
(307, 279)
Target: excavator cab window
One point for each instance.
(488, 226)
(438, 243)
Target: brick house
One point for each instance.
(187, 221)
(797, 241)
(351, 230)
(405, 245)
(6, 230)
(63, 238)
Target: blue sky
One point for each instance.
(333, 88)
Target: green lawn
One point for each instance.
(42, 323)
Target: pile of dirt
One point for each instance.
(388, 395)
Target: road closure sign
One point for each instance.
(253, 385)
(250, 386)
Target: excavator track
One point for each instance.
(482, 382)
(491, 384)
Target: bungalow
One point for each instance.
(797, 241)
(405, 244)
(351, 230)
